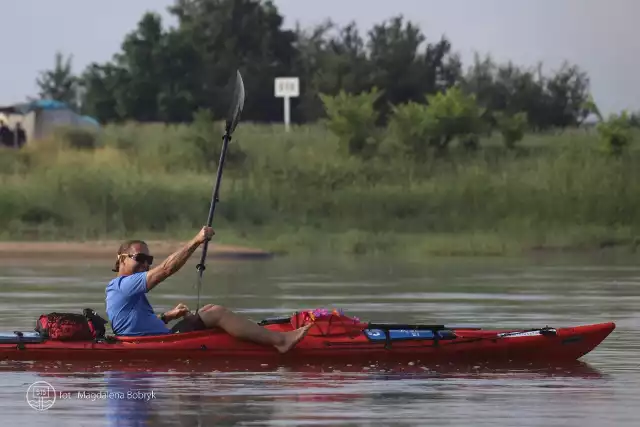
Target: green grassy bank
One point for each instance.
(296, 192)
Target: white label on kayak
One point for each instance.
(410, 332)
(519, 334)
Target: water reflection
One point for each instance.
(215, 393)
(131, 399)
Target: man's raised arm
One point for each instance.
(176, 260)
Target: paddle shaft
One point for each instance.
(214, 200)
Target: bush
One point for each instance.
(205, 135)
(615, 132)
(13, 161)
(411, 127)
(511, 127)
(454, 114)
(174, 148)
(76, 137)
(353, 118)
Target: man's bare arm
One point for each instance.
(176, 260)
(172, 264)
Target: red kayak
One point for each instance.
(333, 338)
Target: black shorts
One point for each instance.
(190, 323)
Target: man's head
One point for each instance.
(133, 257)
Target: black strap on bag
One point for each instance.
(97, 321)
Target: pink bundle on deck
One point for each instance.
(328, 322)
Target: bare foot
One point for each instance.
(292, 338)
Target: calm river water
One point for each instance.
(490, 293)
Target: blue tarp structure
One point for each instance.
(41, 104)
(45, 104)
(90, 120)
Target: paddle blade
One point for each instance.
(237, 105)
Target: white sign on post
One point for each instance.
(287, 88)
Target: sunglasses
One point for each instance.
(141, 258)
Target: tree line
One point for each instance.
(169, 74)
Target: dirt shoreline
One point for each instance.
(108, 249)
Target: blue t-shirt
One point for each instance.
(129, 310)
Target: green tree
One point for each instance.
(177, 100)
(141, 58)
(567, 92)
(399, 67)
(59, 83)
(555, 101)
(329, 59)
(169, 74)
(101, 86)
(230, 34)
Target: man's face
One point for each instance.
(137, 259)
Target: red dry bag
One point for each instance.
(71, 326)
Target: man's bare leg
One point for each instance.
(215, 316)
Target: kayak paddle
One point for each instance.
(233, 117)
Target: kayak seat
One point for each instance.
(20, 337)
(377, 335)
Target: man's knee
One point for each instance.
(212, 314)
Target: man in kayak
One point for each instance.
(130, 313)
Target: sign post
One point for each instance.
(287, 88)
